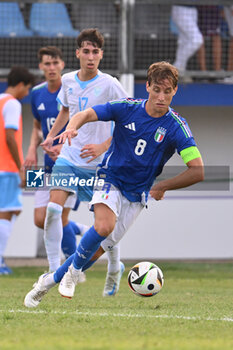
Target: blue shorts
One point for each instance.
(11, 193)
(71, 178)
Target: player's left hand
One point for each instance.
(157, 193)
(92, 150)
(68, 134)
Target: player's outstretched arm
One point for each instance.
(59, 123)
(75, 123)
(194, 174)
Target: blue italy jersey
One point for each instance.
(141, 145)
(45, 109)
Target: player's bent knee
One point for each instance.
(104, 228)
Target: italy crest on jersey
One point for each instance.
(159, 134)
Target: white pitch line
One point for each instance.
(105, 314)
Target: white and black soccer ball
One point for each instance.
(145, 279)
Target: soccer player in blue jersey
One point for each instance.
(45, 109)
(151, 132)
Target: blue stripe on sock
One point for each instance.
(88, 245)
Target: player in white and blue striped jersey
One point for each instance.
(45, 109)
(81, 89)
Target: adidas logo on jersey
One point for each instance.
(130, 126)
(41, 107)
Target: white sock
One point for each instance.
(13, 218)
(83, 228)
(75, 272)
(53, 235)
(5, 230)
(49, 280)
(114, 259)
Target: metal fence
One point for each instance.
(136, 32)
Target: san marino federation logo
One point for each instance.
(159, 134)
(59, 105)
(97, 90)
(35, 178)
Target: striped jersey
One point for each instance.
(141, 145)
(79, 95)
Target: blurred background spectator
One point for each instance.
(209, 20)
(189, 36)
(228, 11)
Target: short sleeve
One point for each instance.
(117, 90)
(104, 112)
(11, 114)
(183, 137)
(61, 97)
(113, 110)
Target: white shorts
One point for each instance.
(125, 211)
(229, 18)
(42, 199)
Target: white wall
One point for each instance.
(187, 224)
(171, 229)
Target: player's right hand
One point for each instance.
(54, 152)
(68, 134)
(31, 159)
(47, 144)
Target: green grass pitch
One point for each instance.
(193, 311)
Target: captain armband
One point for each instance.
(189, 154)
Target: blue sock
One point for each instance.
(96, 239)
(75, 227)
(58, 275)
(88, 245)
(77, 203)
(68, 243)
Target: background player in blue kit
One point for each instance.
(45, 109)
(156, 132)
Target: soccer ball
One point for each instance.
(145, 279)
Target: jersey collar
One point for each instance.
(83, 84)
(144, 107)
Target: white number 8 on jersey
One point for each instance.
(140, 147)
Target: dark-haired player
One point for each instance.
(19, 82)
(81, 89)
